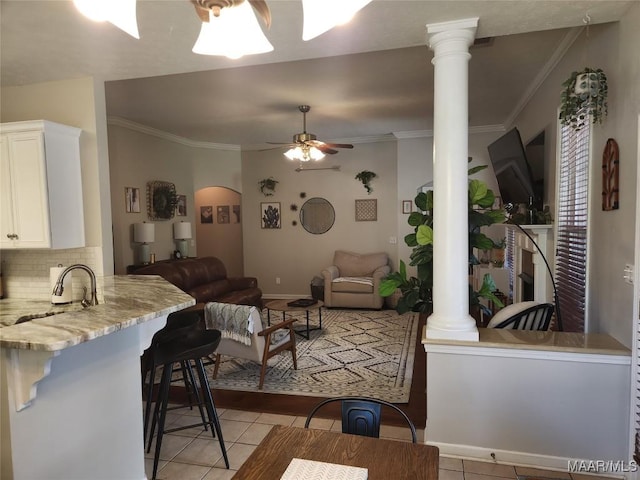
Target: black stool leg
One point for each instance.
(147, 410)
(164, 398)
(187, 370)
(211, 408)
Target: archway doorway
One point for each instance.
(219, 227)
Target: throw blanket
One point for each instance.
(233, 321)
(363, 280)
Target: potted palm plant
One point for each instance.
(584, 95)
(416, 292)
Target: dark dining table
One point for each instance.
(384, 459)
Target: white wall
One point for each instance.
(612, 47)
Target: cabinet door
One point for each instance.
(29, 182)
(6, 200)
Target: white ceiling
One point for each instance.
(368, 78)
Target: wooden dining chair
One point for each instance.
(361, 415)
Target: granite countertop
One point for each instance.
(127, 300)
(570, 342)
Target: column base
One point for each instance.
(444, 328)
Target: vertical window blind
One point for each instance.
(571, 220)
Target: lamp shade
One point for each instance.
(234, 33)
(121, 13)
(182, 230)
(322, 15)
(144, 232)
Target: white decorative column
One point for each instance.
(450, 42)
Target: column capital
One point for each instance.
(457, 29)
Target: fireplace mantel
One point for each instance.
(518, 244)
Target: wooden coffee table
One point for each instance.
(281, 306)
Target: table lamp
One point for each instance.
(181, 233)
(143, 233)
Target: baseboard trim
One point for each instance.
(522, 459)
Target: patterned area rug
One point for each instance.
(357, 352)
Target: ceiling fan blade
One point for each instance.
(326, 149)
(338, 145)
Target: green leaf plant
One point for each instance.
(583, 96)
(417, 292)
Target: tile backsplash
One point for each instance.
(25, 273)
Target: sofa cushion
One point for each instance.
(351, 287)
(207, 291)
(355, 265)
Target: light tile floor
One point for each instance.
(193, 454)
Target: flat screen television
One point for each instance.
(512, 170)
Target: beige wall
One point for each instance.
(137, 158)
(292, 253)
(79, 103)
(612, 47)
(222, 240)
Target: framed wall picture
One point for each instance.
(366, 210)
(235, 217)
(407, 206)
(223, 214)
(181, 206)
(132, 199)
(270, 214)
(206, 214)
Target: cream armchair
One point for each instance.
(261, 343)
(353, 281)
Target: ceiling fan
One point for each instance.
(306, 146)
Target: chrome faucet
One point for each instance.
(59, 288)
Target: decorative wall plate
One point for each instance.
(161, 200)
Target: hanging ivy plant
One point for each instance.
(365, 177)
(584, 94)
(268, 186)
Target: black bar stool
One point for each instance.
(175, 320)
(189, 345)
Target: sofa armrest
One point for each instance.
(378, 274)
(330, 273)
(242, 283)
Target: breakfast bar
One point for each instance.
(70, 387)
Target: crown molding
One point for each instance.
(124, 123)
(429, 133)
(542, 75)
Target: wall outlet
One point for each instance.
(277, 280)
(628, 274)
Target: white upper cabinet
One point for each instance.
(40, 186)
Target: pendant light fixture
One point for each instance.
(321, 16)
(233, 32)
(121, 13)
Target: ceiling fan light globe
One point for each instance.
(121, 13)
(316, 154)
(321, 16)
(233, 34)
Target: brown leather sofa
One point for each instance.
(205, 279)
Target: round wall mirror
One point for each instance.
(317, 215)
